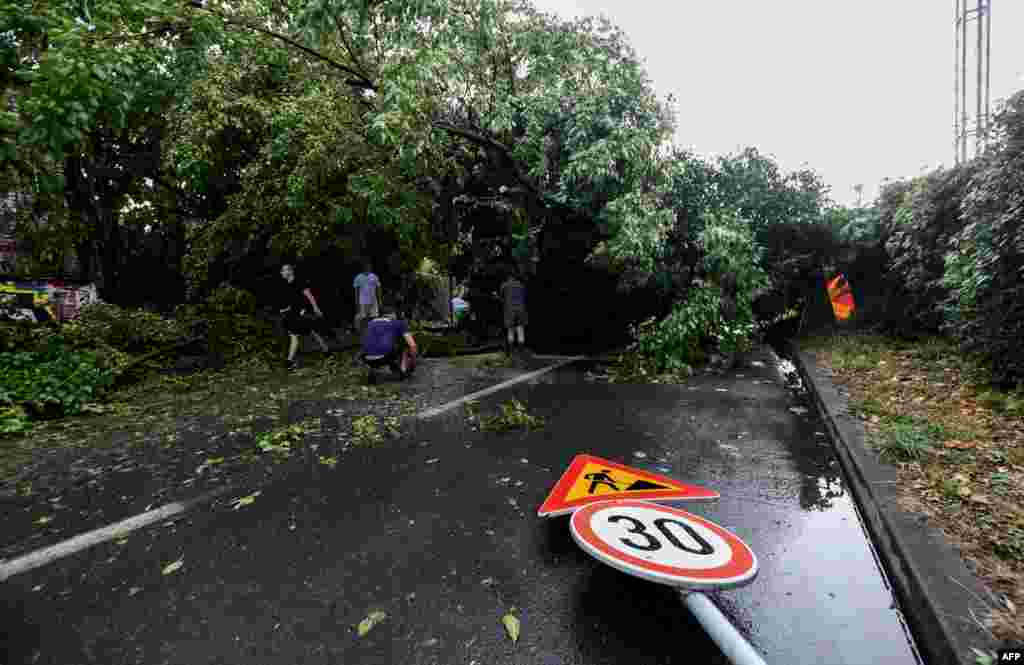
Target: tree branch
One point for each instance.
(359, 79)
(348, 47)
(168, 28)
(488, 142)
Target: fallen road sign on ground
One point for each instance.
(590, 479)
(663, 544)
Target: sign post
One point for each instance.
(673, 547)
(722, 632)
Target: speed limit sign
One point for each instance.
(663, 544)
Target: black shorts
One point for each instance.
(391, 360)
(297, 325)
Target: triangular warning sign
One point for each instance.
(589, 479)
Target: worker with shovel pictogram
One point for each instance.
(601, 478)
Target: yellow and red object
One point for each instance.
(841, 295)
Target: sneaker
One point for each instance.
(292, 365)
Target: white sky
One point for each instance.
(857, 90)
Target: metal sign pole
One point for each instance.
(722, 632)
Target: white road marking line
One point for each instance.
(46, 555)
(80, 542)
(437, 410)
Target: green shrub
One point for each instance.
(977, 260)
(679, 339)
(917, 240)
(23, 335)
(227, 299)
(228, 321)
(14, 420)
(697, 325)
(51, 383)
(983, 269)
(133, 331)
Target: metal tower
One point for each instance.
(963, 125)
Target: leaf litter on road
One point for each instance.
(246, 500)
(174, 566)
(371, 620)
(511, 623)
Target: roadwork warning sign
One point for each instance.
(590, 479)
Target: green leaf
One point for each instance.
(511, 624)
(367, 624)
(173, 567)
(246, 500)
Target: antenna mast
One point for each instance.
(963, 125)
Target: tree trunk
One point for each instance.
(451, 305)
(111, 253)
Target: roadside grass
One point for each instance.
(958, 445)
(905, 439)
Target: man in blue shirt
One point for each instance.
(387, 341)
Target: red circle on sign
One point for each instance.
(738, 570)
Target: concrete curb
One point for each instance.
(936, 591)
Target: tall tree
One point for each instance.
(561, 111)
(89, 83)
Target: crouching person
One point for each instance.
(388, 342)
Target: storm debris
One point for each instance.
(246, 500)
(172, 567)
(511, 624)
(367, 624)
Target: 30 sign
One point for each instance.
(663, 544)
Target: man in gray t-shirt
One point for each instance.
(513, 295)
(368, 296)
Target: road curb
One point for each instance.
(937, 592)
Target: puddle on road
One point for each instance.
(798, 480)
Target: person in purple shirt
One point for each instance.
(387, 341)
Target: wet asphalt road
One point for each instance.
(439, 530)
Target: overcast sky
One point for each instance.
(858, 91)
